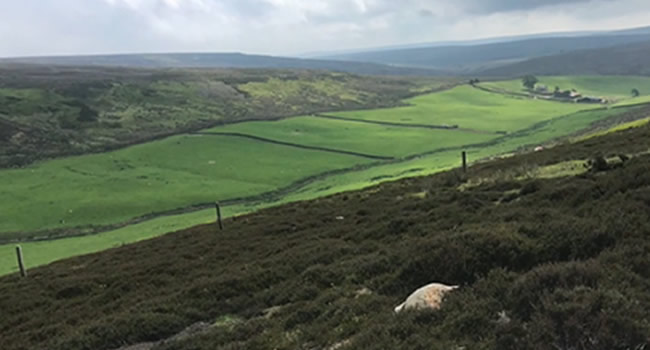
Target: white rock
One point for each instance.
(427, 297)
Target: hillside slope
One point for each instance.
(630, 59)
(50, 112)
(564, 260)
(467, 59)
(219, 60)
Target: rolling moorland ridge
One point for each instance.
(221, 60)
(475, 59)
(625, 59)
(479, 57)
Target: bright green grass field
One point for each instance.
(38, 253)
(613, 87)
(357, 137)
(440, 161)
(175, 172)
(470, 108)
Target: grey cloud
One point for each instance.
(426, 13)
(248, 8)
(495, 6)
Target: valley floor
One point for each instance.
(106, 200)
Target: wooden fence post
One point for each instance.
(21, 263)
(464, 155)
(219, 215)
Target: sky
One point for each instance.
(288, 27)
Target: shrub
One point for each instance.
(530, 187)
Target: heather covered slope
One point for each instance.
(566, 259)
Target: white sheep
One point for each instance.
(427, 297)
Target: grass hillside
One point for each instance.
(44, 252)
(469, 108)
(52, 112)
(254, 161)
(119, 197)
(476, 58)
(629, 59)
(174, 173)
(561, 255)
(219, 60)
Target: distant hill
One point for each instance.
(468, 59)
(630, 59)
(220, 60)
(482, 41)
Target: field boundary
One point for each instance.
(290, 144)
(403, 125)
(522, 95)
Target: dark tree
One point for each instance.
(529, 81)
(635, 92)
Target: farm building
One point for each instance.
(567, 94)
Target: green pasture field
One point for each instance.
(364, 138)
(470, 108)
(176, 172)
(180, 171)
(38, 253)
(613, 87)
(531, 137)
(644, 99)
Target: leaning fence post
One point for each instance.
(216, 204)
(21, 263)
(464, 155)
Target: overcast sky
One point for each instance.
(287, 27)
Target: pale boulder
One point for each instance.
(427, 297)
